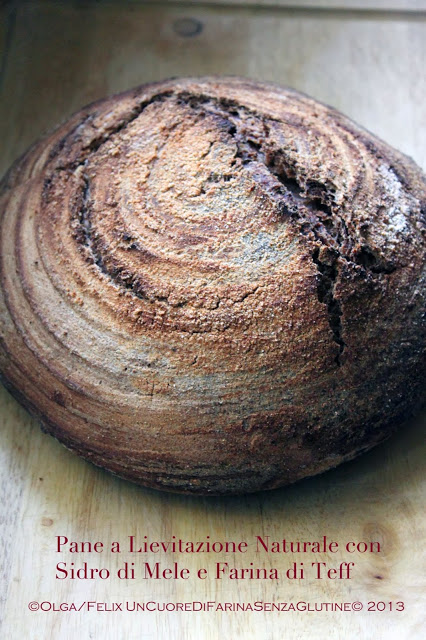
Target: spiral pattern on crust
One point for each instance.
(213, 285)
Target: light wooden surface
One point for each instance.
(57, 58)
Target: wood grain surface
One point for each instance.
(58, 57)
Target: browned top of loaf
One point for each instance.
(196, 259)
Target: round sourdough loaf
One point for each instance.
(213, 285)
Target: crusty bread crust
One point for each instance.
(213, 285)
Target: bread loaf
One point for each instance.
(213, 285)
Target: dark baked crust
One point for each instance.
(213, 285)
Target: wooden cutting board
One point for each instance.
(370, 64)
